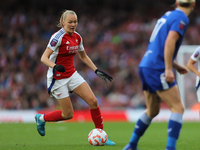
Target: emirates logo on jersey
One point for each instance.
(72, 47)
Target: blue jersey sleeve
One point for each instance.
(180, 25)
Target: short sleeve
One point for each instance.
(179, 22)
(179, 25)
(56, 39)
(196, 54)
(54, 43)
(81, 47)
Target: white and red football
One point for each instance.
(97, 137)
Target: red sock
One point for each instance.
(54, 116)
(97, 117)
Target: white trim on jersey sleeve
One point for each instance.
(56, 39)
(80, 46)
(196, 54)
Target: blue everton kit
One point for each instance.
(152, 65)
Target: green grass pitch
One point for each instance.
(73, 136)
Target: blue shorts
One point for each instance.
(154, 80)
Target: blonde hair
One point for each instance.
(64, 15)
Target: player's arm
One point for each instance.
(83, 56)
(169, 49)
(45, 59)
(179, 68)
(191, 67)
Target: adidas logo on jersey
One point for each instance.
(67, 42)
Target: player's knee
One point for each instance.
(93, 103)
(68, 115)
(180, 109)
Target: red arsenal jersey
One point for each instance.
(64, 47)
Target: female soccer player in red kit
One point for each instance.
(62, 76)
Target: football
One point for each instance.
(97, 137)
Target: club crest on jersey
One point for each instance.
(53, 42)
(196, 54)
(182, 25)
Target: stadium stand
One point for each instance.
(115, 36)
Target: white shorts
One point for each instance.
(60, 88)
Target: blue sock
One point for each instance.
(174, 128)
(140, 127)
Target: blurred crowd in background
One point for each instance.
(115, 36)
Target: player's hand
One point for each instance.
(59, 68)
(169, 76)
(103, 75)
(182, 70)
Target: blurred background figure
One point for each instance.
(115, 34)
(195, 57)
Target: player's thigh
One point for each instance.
(154, 79)
(62, 95)
(172, 98)
(82, 89)
(85, 92)
(152, 104)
